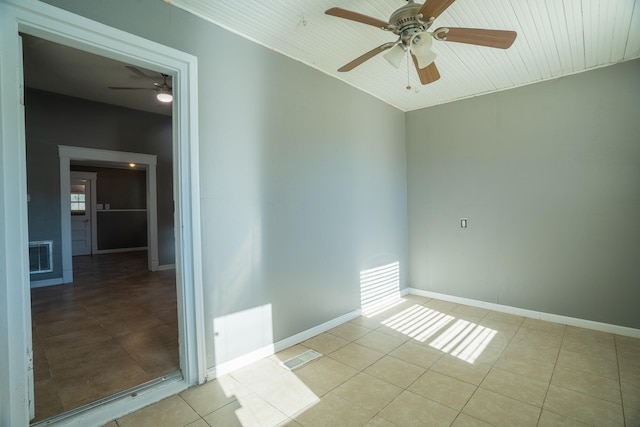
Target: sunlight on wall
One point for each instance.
(464, 340)
(379, 288)
(243, 334)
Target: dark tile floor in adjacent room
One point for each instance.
(113, 328)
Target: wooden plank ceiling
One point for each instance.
(555, 38)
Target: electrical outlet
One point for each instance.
(107, 206)
(463, 222)
(99, 206)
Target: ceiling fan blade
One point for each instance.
(358, 17)
(141, 74)
(491, 38)
(359, 60)
(131, 88)
(433, 8)
(428, 74)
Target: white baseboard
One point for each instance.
(316, 330)
(113, 251)
(166, 267)
(254, 356)
(46, 282)
(565, 320)
(239, 362)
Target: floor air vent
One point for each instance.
(301, 359)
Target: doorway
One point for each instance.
(149, 203)
(46, 21)
(114, 327)
(82, 200)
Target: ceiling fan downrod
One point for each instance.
(407, 21)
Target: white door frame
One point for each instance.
(148, 161)
(91, 204)
(45, 21)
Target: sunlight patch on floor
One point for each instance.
(380, 308)
(462, 339)
(418, 322)
(465, 340)
(262, 395)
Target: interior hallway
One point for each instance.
(425, 362)
(114, 328)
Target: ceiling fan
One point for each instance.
(163, 90)
(410, 23)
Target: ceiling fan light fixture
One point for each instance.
(421, 49)
(164, 95)
(395, 55)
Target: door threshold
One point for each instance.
(131, 392)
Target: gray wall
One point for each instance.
(303, 180)
(53, 120)
(121, 230)
(549, 178)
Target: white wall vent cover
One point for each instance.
(301, 359)
(40, 257)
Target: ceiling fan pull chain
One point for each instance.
(408, 71)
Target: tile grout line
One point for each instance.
(378, 413)
(483, 378)
(555, 364)
(615, 345)
(362, 371)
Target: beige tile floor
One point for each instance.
(426, 362)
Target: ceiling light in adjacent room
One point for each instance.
(164, 95)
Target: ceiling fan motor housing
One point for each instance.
(405, 22)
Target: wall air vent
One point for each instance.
(40, 257)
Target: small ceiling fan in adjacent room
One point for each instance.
(410, 23)
(163, 89)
